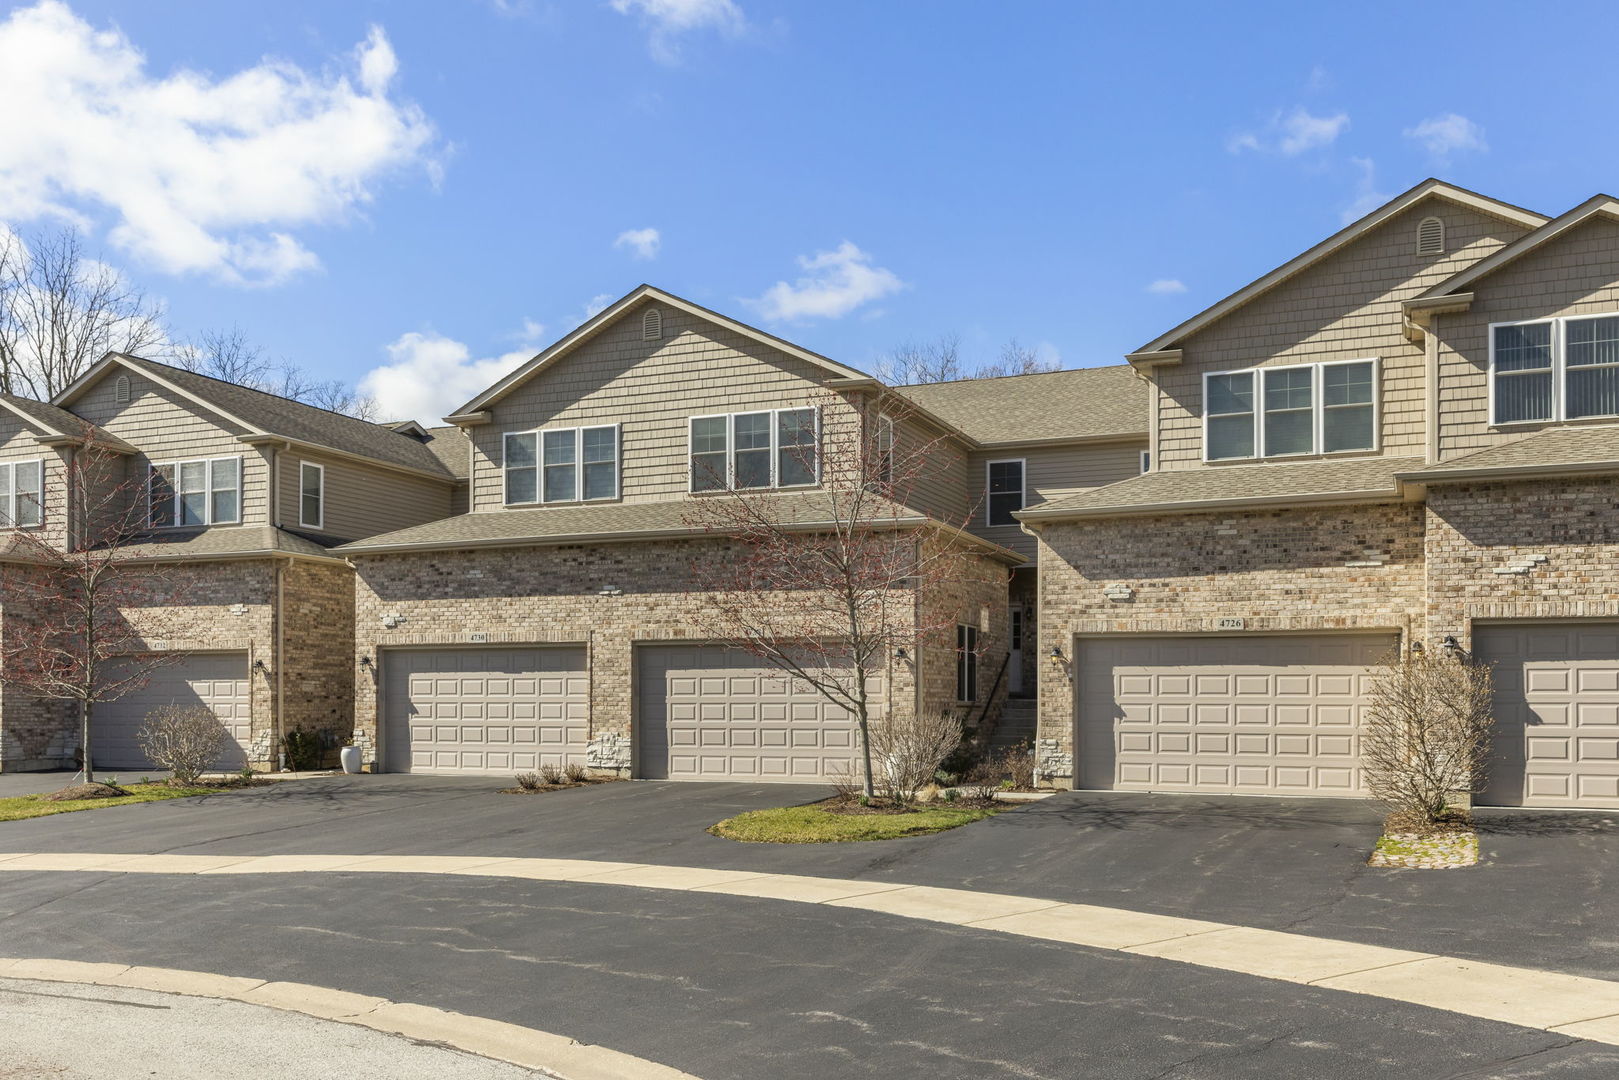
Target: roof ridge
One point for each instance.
(1013, 375)
(267, 393)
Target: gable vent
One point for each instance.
(120, 389)
(652, 325)
(1431, 237)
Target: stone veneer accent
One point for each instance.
(1340, 568)
(553, 595)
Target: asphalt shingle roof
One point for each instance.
(1075, 404)
(61, 420)
(290, 419)
(1582, 448)
(224, 542)
(452, 448)
(1355, 478)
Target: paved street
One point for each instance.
(728, 986)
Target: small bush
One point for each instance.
(906, 752)
(185, 739)
(529, 781)
(845, 780)
(304, 749)
(1427, 735)
(576, 773)
(550, 774)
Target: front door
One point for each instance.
(1014, 663)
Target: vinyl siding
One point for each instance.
(1050, 472)
(1574, 274)
(1345, 307)
(361, 501)
(166, 427)
(652, 388)
(19, 442)
(943, 488)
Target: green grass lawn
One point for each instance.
(31, 806)
(814, 824)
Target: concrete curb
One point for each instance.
(1569, 1004)
(553, 1055)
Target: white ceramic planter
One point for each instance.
(350, 757)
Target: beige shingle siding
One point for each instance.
(1345, 307)
(652, 388)
(944, 488)
(166, 427)
(1051, 473)
(19, 442)
(361, 501)
(1576, 274)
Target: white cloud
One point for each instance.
(1447, 133)
(1292, 133)
(667, 20)
(428, 374)
(198, 173)
(835, 283)
(1367, 197)
(1167, 286)
(644, 243)
(597, 305)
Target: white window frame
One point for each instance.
(886, 445)
(1559, 370)
(9, 509)
(730, 449)
(1318, 409)
(1023, 490)
(208, 491)
(320, 520)
(1146, 461)
(578, 434)
(966, 662)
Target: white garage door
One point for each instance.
(709, 713)
(1259, 714)
(501, 710)
(217, 680)
(1556, 714)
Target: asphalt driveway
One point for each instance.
(1547, 894)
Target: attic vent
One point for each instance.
(120, 389)
(1431, 237)
(652, 325)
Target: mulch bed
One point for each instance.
(541, 789)
(85, 791)
(1434, 849)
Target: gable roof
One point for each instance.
(1074, 405)
(1552, 451)
(594, 325)
(1348, 234)
(59, 424)
(1596, 206)
(269, 415)
(1351, 480)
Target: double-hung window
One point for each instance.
(1556, 369)
(311, 495)
(1325, 408)
(562, 465)
(966, 663)
(1003, 491)
(22, 494)
(770, 448)
(883, 449)
(192, 493)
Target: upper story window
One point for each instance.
(22, 494)
(311, 495)
(201, 492)
(1003, 494)
(884, 449)
(773, 448)
(1554, 369)
(1325, 408)
(562, 465)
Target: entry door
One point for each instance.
(1014, 663)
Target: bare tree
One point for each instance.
(1017, 359)
(828, 586)
(61, 311)
(229, 356)
(81, 610)
(1427, 734)
(915, 362)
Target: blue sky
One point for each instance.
(442, 186)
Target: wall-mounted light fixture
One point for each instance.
(1056, 656)
(1416, 648)
(260, 666)
(901, 655)
(365, 663)
(1452, 647)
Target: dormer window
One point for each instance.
(1326, 408)
(1554, 369)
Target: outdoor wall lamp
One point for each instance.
(365, 663)
(1450, 644)
(1416, 648)
(901, 655)
(260, 666)
(1057, 656)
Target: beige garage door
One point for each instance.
(504, 710)
(708, 713)
(1257, 714)
(1556, 714)
(217, 680)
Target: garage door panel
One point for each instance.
(745, 720)
(500, 710)
(218, 681)
(1252, 714)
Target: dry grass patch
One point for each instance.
(32, 806)
(838, 820)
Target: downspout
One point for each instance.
(1430, 343)
(277, 727)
